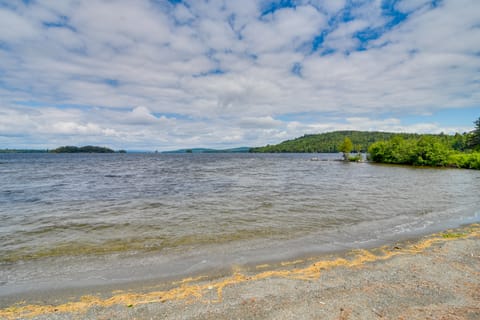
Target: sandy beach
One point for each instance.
(435, 277)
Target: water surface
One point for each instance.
(87, 219)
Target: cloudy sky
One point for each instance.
(158, 74)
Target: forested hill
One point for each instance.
(330, 141)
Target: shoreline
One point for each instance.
(209, 296)
(141, 271)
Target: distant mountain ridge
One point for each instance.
(208, 150)
(23, 151)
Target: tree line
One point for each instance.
(459, 150)
(361, 140)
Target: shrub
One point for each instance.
(423, 151)
(355, 158)
(465, 160)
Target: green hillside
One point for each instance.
(330, 141)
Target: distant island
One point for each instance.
(65, 149)
(85, 149)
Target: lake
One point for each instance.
(73, 220)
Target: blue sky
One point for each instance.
(160, 75)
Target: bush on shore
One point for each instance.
(423, 151)
(465, 160)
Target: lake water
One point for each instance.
(72, 220)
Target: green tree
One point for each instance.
(346, 147)
(459, 142)
(474, 138)
(431, 151)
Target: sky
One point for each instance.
(164, 75)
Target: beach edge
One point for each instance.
(441, 271)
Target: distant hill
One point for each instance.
(23, 151)
(330, 141)
(207, 150)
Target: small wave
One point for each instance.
(153, 205)
(119, 175)
(9, 192)
(65, 228)
(127, 245)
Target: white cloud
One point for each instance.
(182, 14)
(14, 28)
(342, 38)
(142, 116)
(330, 7)
(285, 29)
(260, 123)
(408, 6)
(222, 68)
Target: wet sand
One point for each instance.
(435, 277)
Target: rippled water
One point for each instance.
(93, 218)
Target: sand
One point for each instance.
(435, 277)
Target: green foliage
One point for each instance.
(459, 142)
(86, 149)
(330, 142)
(426, 150)
(346, 146)
(474, 137)
(355, 158)
(395, 150)
(431, 151)
(361, 140)
(465, 160)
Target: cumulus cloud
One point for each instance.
(159, 74)
(23, 28)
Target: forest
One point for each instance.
(330, 142)
(435, 150)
